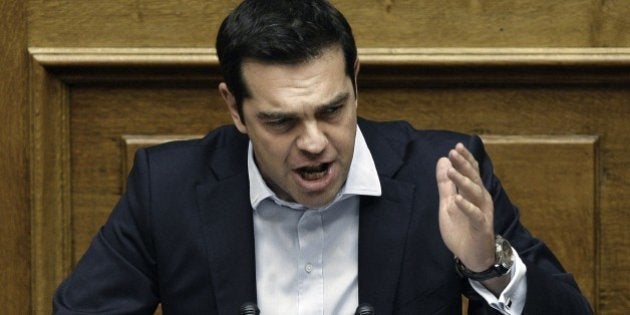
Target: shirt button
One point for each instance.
(508, 304)
(308, 268)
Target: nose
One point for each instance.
(312, 140)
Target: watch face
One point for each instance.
(504, 253)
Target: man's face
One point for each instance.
(301, 120)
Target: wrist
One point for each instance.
(503, 261)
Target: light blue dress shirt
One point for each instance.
(307, 259)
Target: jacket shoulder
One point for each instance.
(403, 134)
(195, 157)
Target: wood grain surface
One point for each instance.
(15, 255)
(376, 23)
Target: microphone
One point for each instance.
(249, 308)
(364, 309)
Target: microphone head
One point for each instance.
(249, 308)
(364, 309)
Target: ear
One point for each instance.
(230, 101)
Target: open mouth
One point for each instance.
(314, 172)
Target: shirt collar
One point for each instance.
(362, 178)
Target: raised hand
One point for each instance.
(466, 210)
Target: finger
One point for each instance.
(464, 161)
(446, 187)
(464, 165)
(472, 212)
(466, 187)
(461, 149)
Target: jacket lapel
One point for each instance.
(383, 224)
(228, 229)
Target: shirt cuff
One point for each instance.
(512, 299)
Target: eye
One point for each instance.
(280, 124)
(330, 111)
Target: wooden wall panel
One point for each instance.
(553, 179)
(377, 23)
(50, 186)
(110, 95)
(471, 23)
(15, 250)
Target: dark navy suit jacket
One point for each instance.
(182, 235)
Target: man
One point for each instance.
(303, 208)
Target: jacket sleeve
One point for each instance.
(550, 289)
(117, 273)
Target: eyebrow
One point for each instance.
(272, 115)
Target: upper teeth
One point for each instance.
(313, 169)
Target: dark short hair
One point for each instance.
(280, 31)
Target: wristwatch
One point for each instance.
(503, 261)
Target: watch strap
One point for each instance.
(504, 260)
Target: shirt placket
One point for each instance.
(310, 280)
